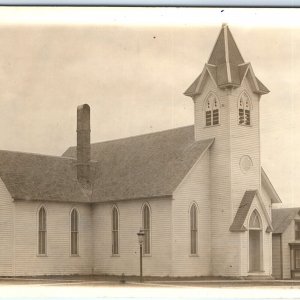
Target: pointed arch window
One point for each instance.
(115, 231)
(254, 222)
(244, 109)
(212, 111)
(74, 232)
(42, 220)
(146, 228)
(194, 229)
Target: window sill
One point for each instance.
(42, 255)
(147, 255)
(193, 255)
(245, 125)
(209, 126)
(74, 255)
(115, 255)
(256, 272)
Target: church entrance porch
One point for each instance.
(255, 243)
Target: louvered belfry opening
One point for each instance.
(83, 144)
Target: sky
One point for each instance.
(132, 65)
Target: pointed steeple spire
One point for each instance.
(226, 66)
(225, 50)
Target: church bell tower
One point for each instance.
(226, 99)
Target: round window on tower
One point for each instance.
(245, 163)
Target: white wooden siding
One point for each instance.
(58, 260)
(276, 256)
(288, 236)
(158, 263)
(227, 182)
(6, 232)
(195, 188)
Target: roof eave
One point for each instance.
(270, 188)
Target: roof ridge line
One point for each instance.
(225, 27)
(138, 135)
(37, 154)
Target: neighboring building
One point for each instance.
(199, 192)
(286, 242)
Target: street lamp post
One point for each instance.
(141, 235)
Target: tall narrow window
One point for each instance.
(244, 110)
(74, 232)
(297, 230)
(194, 229)
(212, 114)
(115, 231)
(146, 228)
(42, 231)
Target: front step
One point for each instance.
(258, 277)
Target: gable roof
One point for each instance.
(150, 165)
(282, 217)
(226, 66)
(30, 176)
(243, 210)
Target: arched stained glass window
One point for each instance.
(194, 229)
(146, 228)
(74, 232)
(42, 234)
(115, 231)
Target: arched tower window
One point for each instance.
(115, 231)
(212, 111)
(42, 220)
(146, 228)
(194, 229)
(74, 232)
(244, 109)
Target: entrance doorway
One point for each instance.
(255, 242)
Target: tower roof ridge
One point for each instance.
(226, 67)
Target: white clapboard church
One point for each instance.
(199, 192)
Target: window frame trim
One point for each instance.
(211, 110)
(250, 109)
(193, 204)
(70, 232)
(118, 231)
(150, 228)
(38, 232)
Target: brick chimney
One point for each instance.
(83, 143)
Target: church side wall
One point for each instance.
(195, 188)
(58, 260)
(288, 236)
(158, 263)
(276, 256)
(6, 232)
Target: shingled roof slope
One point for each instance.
(226, 66)
(150, 165)
(282, 217)
(242, 212)
(30, 176)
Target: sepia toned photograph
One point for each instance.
(149, 153)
